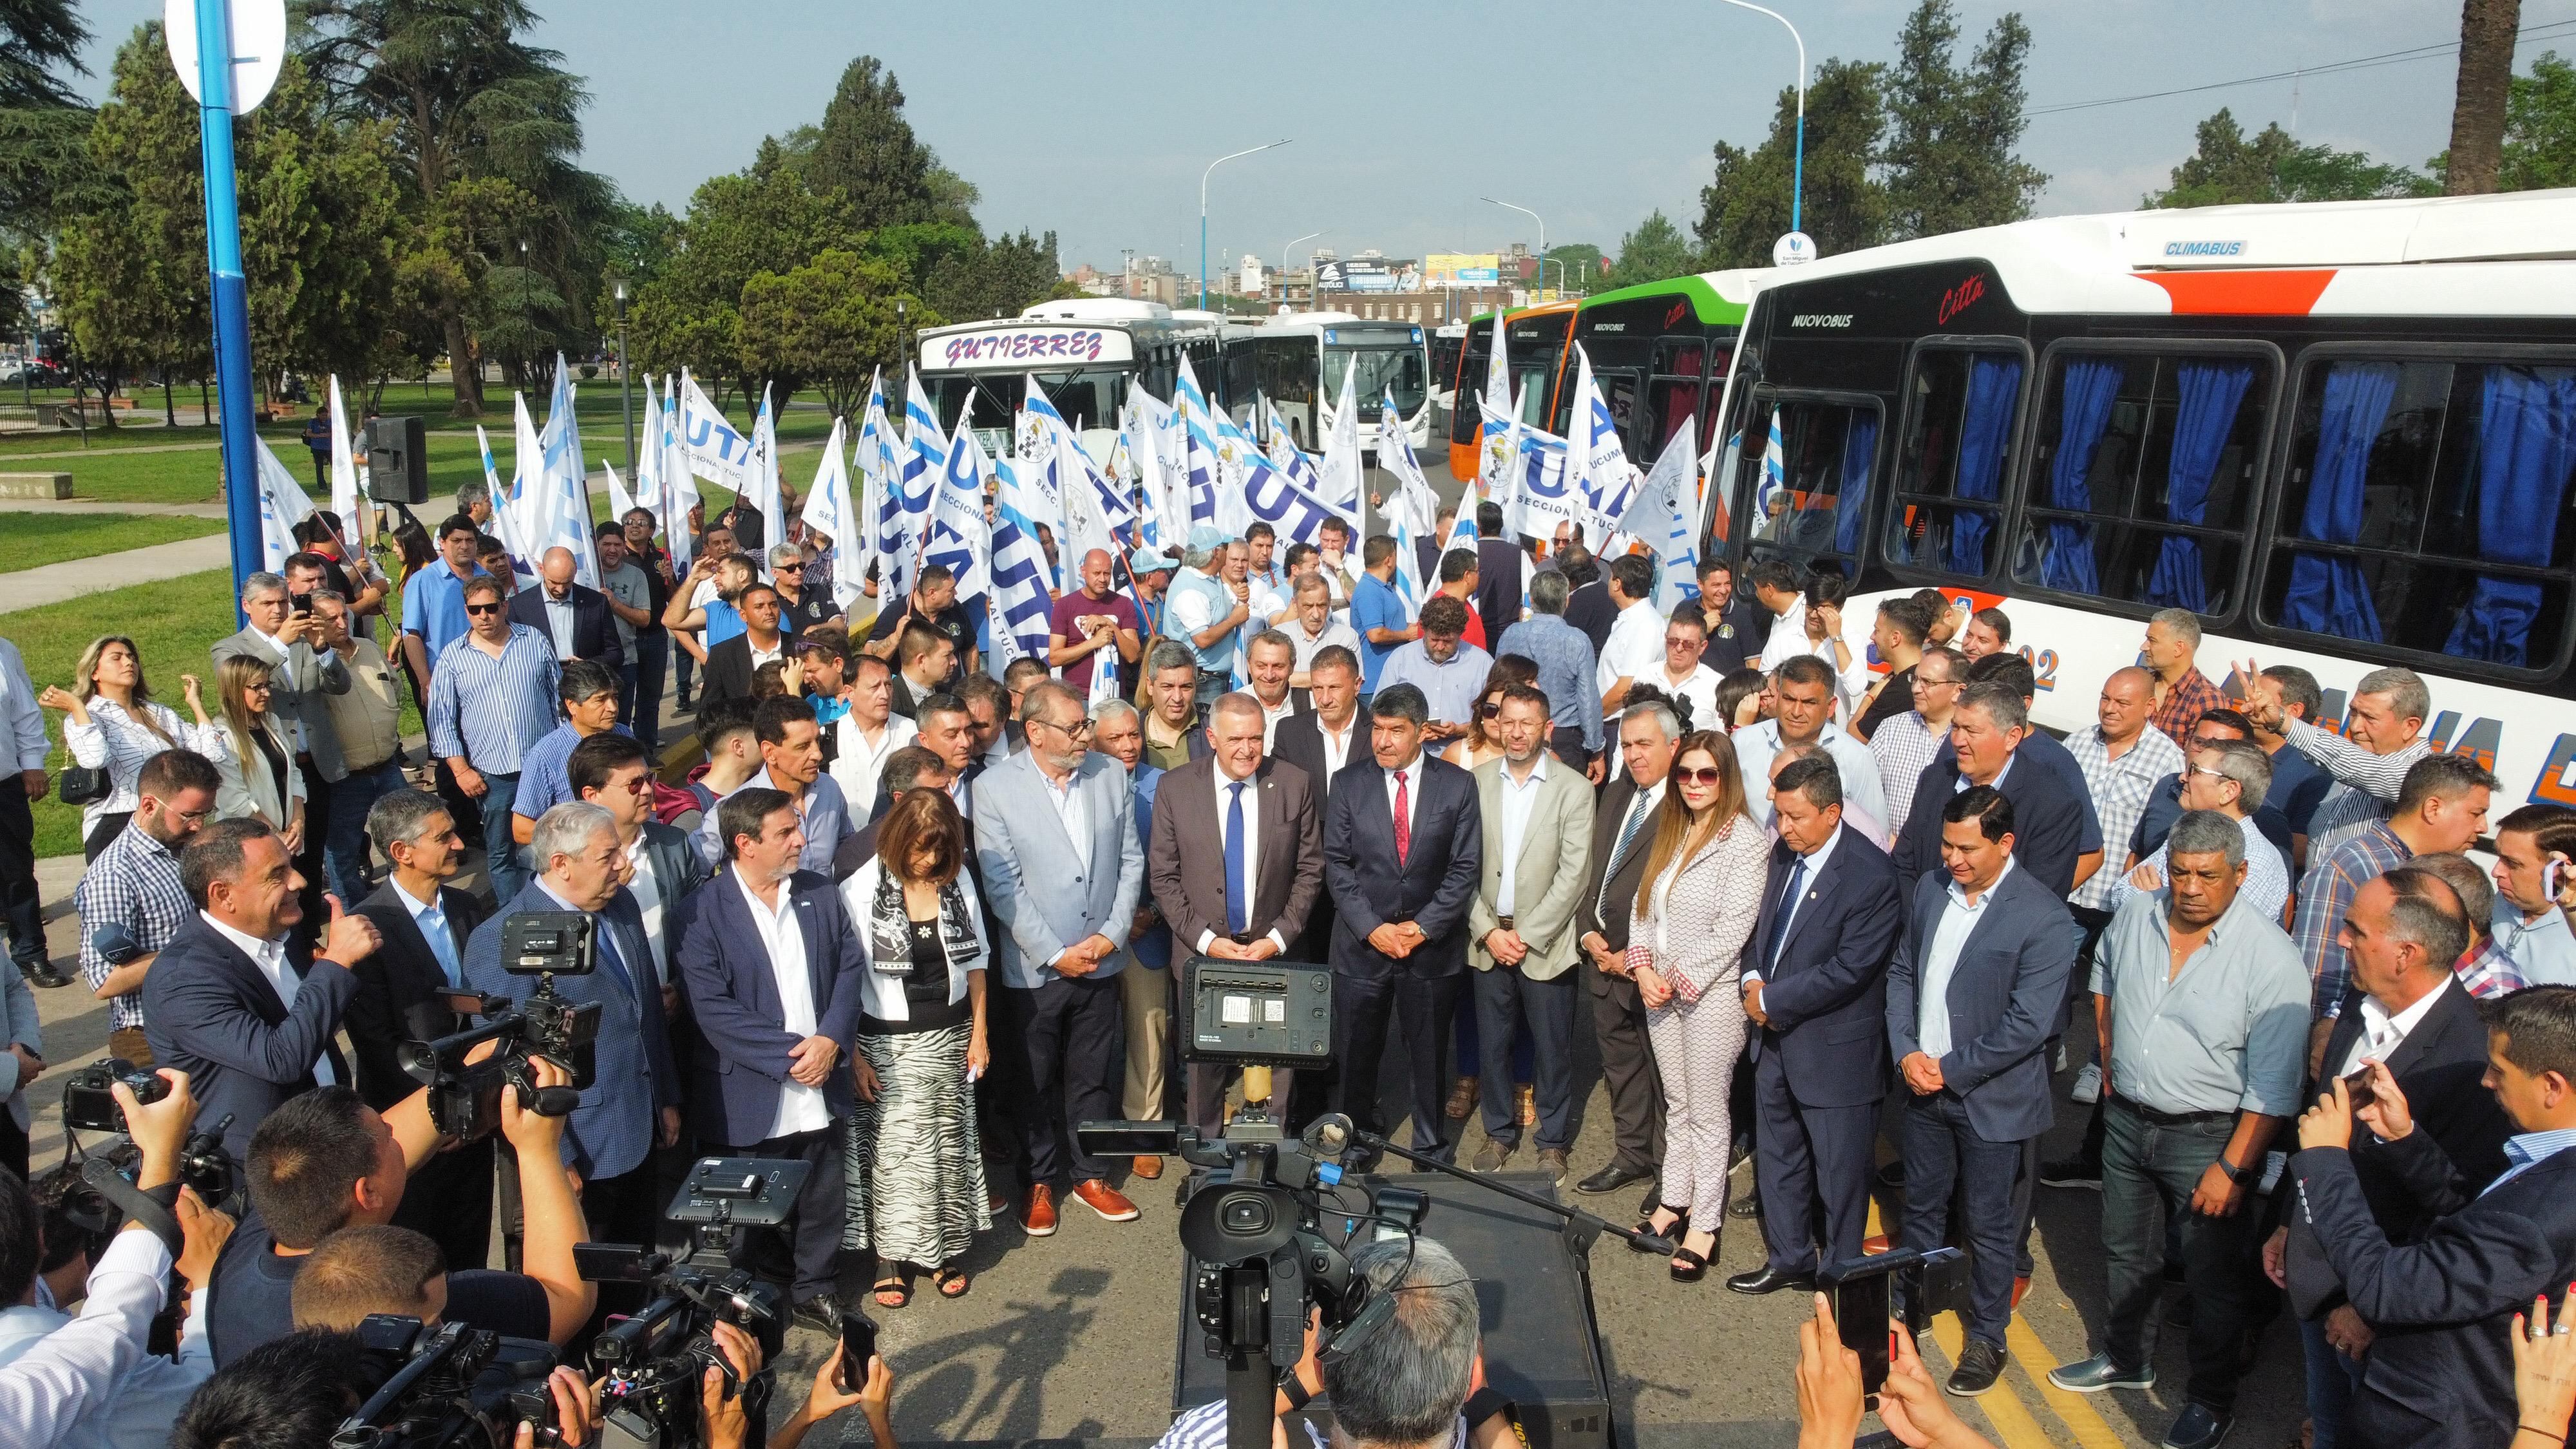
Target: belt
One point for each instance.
(1224, 674)
(2172, 1119)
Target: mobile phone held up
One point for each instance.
(858, 1345)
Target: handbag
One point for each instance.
(82, 785)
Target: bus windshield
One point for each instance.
(1379, 371)
(1087, 399)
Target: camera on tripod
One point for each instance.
(652, 1359)
(89, 1105)
(449, 1387)
(465, 1097)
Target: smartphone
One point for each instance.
(2358, 1085)
(858, 1345)
(300, 603)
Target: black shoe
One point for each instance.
(1980, 1364)
(2073, 1172)
(1747, 1206)
(1646, 1224)
(40, 972)
(1892, 1174)
(822, 1313)
(1611, 1179)
(1767, 1279)
(2198, 1427)
(1653, 1199)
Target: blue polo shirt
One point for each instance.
(1375, 605)
(434, 606)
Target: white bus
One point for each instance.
(1298, 360)
(2341, 433)
(1085, 353)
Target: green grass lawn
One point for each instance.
(30, 539)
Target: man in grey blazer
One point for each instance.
(301, 671)
(1521, 928)
(1063, 869)
(1972, 997)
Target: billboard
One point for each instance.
(1461, 269)
(1367, 274)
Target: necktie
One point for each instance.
(607, 939)
(1619, 853)
(1403, 820)
(1781, 908)
(442, 943)
(1238, 886)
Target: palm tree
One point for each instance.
(2487, 29)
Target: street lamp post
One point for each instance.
(1798, 165)
(1203, 190)
(625, 381)
(1283, 263)
(1542, 233)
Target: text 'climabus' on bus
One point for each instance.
(1533, 346)
(1297, 360)
(2341, 433)
(1660, 352)
(1084, 352)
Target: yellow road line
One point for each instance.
(2010, 1417)
(2090, 1429)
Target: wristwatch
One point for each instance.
(2238, 1175)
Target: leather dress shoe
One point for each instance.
(1038, 1218)
(1109, 1202)
(1611, 1179)
(1767, 1279)
(822, 1313)
(1149, 1167)
(1747, 1206)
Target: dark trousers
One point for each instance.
(103, 834)
(684, 670)
(2334, 1380)
(2149, 1170)
(1943, 1151)
(1071, 1034)
(1567, 742)
(1422, 1008)
(345, 848)
(462, 808)
(21, 911)
(1627, 1069)
(449, 1200)
(13, 1146)
(641, 702)
(1812, 1168)
(1505, 999)
(805, 1250)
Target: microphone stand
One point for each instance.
(1578, 1229)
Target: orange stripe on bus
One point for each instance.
(2209, 294)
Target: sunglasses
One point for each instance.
(1709, 775)
(1490, 709)
(1683, 641)
(482, 608)
(787, 568)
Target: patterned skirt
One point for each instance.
(916, 1170)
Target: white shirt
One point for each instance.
(285, 652)
(1815, 860)
(270, 958)
(1788, 634)
(1251, 843)
(1411, 775)
(1519, 798)
(858, 766)
(800, 1107)
(1307, 646)
(1699, 687)
(760, 656)
(1075, 816)
(1270, 718)
(1337, 747)
(1941, 959)
(648, 893)
(1858, 768)
(1635, 648)
(2382, 1033)
(89, 1381)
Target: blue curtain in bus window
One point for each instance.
(1994, 385)
(2526, 447)
(2083, 416)
(1851, 501)
(2329, 595)
(2208, 394)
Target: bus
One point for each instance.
(1534, 344)
(1085, 353)
(1447, 341)
(2339, 432)
(1660, 353)
(1297, 360)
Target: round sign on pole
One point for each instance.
(1791, 249)
(258, 47)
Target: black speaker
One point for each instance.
(397, 460)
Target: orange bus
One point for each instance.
(1534, 345)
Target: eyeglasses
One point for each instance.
(1707, 776)
(482, 608)
(1922, 683)
(1073, 731)
(2205, 770)
(794, 568)
(1683, 641)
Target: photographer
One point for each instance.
(294, 1393)
(1830, 1396)
(327, 1161)
(89, 1380)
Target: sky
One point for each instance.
(1097, 122)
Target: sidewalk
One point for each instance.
(98, 505)
(53, 583)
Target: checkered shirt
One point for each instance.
(2120, 789)
(134, 883)
(2326, 893)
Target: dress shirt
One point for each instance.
(491, 710)
(1903, 748)
(859, 765)
(1941, 961)
(1565, 672)
(1337, 747)
(148, 1397)
(651, 898)
(270, 958)
(1641, 811)
(1452, 688)
(1066, 797)
(760, 656)
(1270, 718)
(80, 1373)
(2525, 1150)
(119, 742)
(1634, 650)
(1815, 863)
(2228, 1033)
(1853, 764)
(822, 810)
(545, 771)
(800, 1107)
(2267, 875)
(434, 606)
(1411, 775)
(560, 616)
(431, 917)
(2326, 892)
(1251, 788)
(1699, 688)
(1309, 645)
(2381, 1033)
(1519, 798)
(2366, 785)
(2488, 971)
(2120, 788)
(1788, 636)
(22, 724)
(134, 883)
(2543, 950)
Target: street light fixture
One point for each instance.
(1203, 190)
(625, 380)
(1542, 234)
(1283, 266)
(1798, 170)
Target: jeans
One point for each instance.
(344, 846)
(1942, 1150)
(2150, 1167)
(2332, 1381)
(500, 847)
(640, 702)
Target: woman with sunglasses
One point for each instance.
(255, 756)
(1696, 905)
(113, 723)
(1480, 743)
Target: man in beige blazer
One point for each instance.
(1521, 928)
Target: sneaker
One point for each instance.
(1105, 1200)
(1980, 1364)
(2097, 1373)
(2071, 1172)
(1038, 1219)
(1552, 1161)
(2088, 1084)
(1492, 1156)
(2198, 1427)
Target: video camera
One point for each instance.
(450, 1387)
(465, 1097)
(652, 1359)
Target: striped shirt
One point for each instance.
(2521, 1151)
(1904, 747)
(2267, 875)
(134, 883)
(491, 711)
(1204, 1428)
(2365, 787)
(116, 739)
(2120, 789)
(2326, 893)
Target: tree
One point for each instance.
(2540, 128)
(1745, 206)
(1950, 157)
(2479, 103)
(1655, 251)
(866, 150)
(2227, 169)
(829, 324)
(996, 279)
(43, 130)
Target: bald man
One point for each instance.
(1091, 619)
(577, 619)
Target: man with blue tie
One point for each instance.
(1972, 997)
(1817, 997)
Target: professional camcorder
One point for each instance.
(465, 1097)
(449, 1387)
(651, 1360)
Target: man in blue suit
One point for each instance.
(1403, 847)
(771, 973)
(229, 1002)
(1972, 996)
(1815, 988)
(633, 1101)
(1055, 830)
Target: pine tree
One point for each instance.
(1745, 207)
(1951, 156)
(866, 149)
(2226, 169)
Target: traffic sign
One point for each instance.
(1791, 249)
(258, 47)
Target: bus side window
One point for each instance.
(1805, 464)
(1950, 470)
(2426, 509)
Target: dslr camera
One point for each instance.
(449, 1387)
(465, 1097)
(89, 1105)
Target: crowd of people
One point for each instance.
(1831, 894)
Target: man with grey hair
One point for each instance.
(2200, 1004)
(1311, 627)
(1622, 837)
(1987, 729)
(2482, 965)
(475, 502)
(1565, 673)
(2182, 693)
(1174, 711)
(2382, 739)
(2228, 777)
(799, 608)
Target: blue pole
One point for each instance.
(230, 291)
(1798, 170)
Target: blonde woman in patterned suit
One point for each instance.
(1696, 905)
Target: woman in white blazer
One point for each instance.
(256, 756)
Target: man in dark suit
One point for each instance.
(1501, 573)
(770, 969)
(1235, 863)
(2440, 1371)
(1622, 830)
(1988, 728)
(229, 1002)
(425, 925)
(731, 664)
(576, 618)
(1815, 989)
(1980, 971)
(1403, 842)
(1322, 741)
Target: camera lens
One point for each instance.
(1248, 1215)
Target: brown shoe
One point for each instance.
(1038, 1220)
(1149, 1168)
(1105, 1200)
(1462, 1099)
